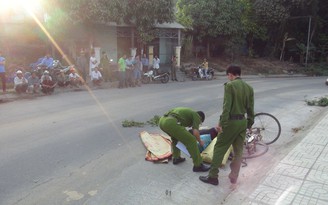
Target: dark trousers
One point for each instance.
(173, 72)
(47, 90)
(3, 80)
(234, 134)
(63, 83)
(48, 87)
(122, 80)
(129, 78)
(97, 82)
(105, 73)
(179, 133)
(83, 73)
(21, 88)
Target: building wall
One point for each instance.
(106, 39)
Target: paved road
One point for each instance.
(70, 148)
(300, 177)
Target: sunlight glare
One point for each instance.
(28, 5)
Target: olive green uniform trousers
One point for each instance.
(234, 134)
(177, 133)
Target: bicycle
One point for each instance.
(265, 131)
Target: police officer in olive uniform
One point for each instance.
(238, 101)
(174, 124)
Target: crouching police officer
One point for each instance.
(174, 124)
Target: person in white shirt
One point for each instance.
(96, 77)
(156, 63)
(74, 78)
(20, 83)
(93, 63)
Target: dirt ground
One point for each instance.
(250, 66)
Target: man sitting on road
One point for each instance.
(47, 84)
(62, 79)
(20, 82)
(96, 77)
(33, 83)
(74, 78)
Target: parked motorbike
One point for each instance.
(58, 68)
(57, 72)
(199, 73)
(151, 76)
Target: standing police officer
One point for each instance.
(238, 101)
(174, 124)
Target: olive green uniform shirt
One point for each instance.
(238, 100)
(186, 117)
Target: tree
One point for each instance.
(208, 19)
(253, 26)
(275, 14)
(141, 14)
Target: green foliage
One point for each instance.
(234, 21)
(131, 123)
(323, 102)
(142, 14)
(323, 46)
(271, 11)
(154, 121)
(317, 69)
(208, 19)
(187, 47)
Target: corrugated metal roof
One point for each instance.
(173, 25)
(170, 25)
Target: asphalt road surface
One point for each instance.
(71, 148)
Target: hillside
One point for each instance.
(250, 66)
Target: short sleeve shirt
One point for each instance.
(122, 65)
(2, 67)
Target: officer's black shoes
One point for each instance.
(201, 168)
(233, 180)
(209, 180)
(178, 160)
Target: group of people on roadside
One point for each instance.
(32, 83)
(130, 71)
(97, 71)
(88, 68)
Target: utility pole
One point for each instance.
(308, 42)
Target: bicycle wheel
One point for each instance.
(268, 127)
(261, 149)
